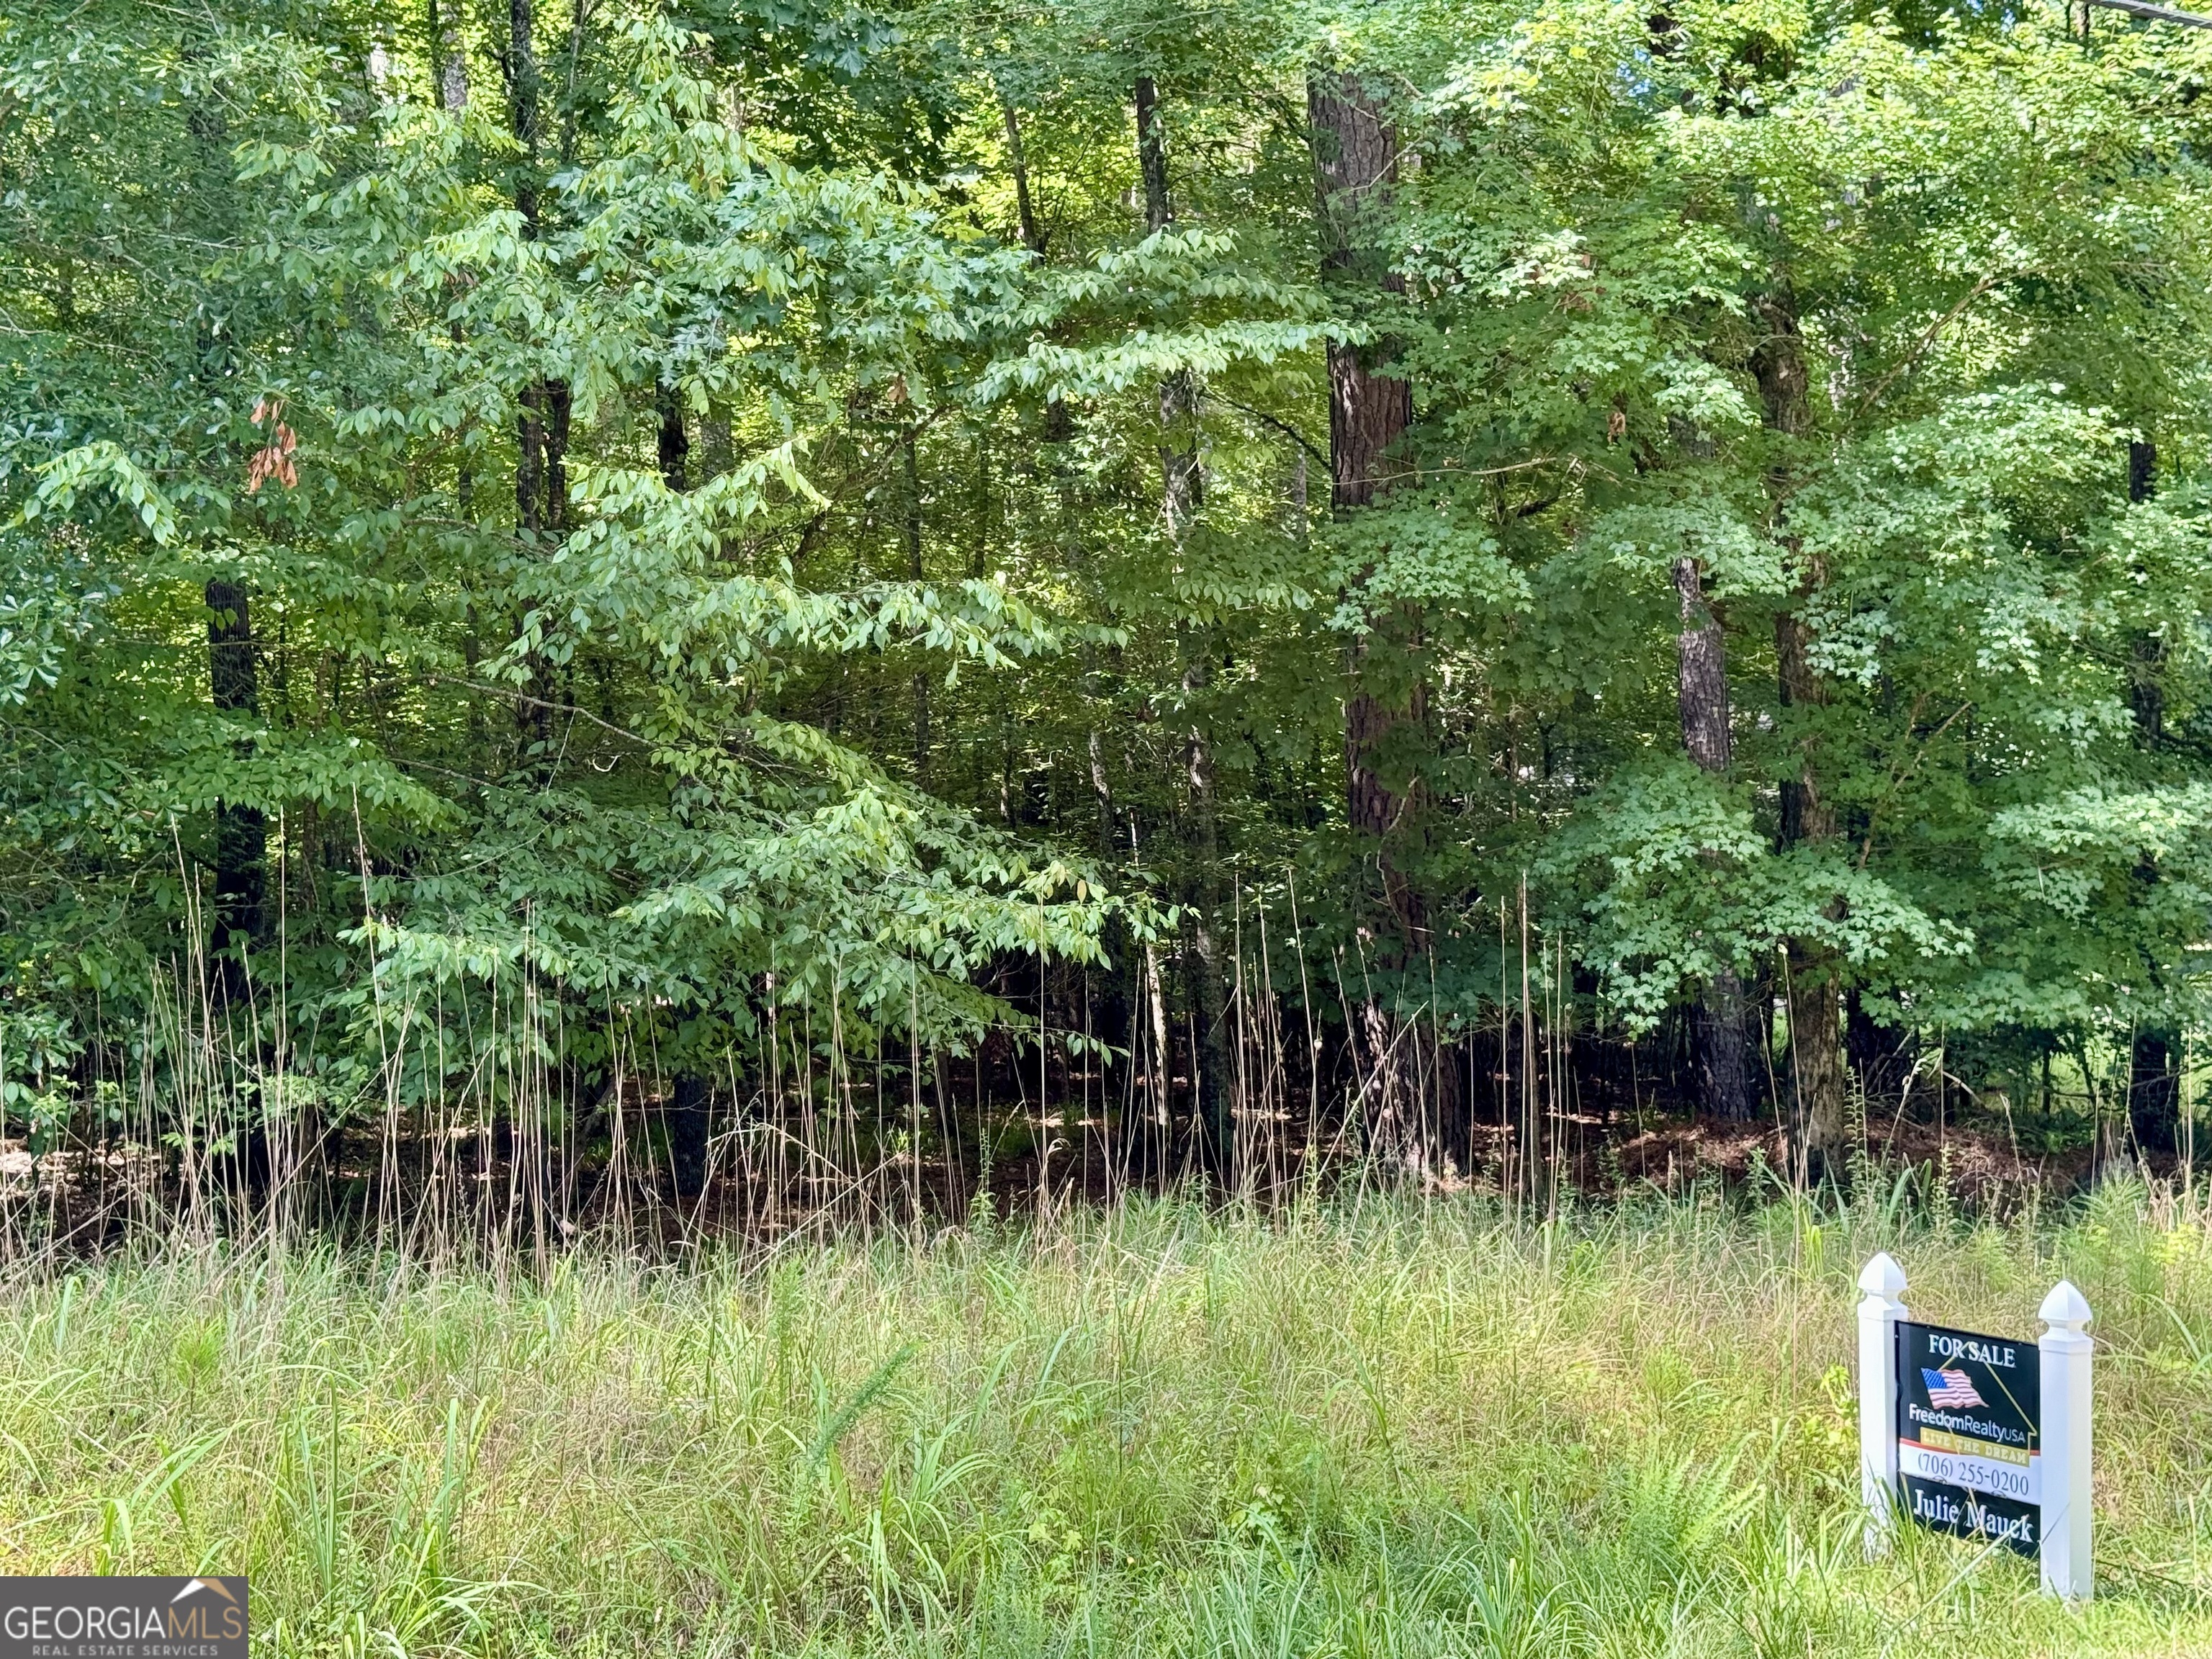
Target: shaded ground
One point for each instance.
(765, 1183)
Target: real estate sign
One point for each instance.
(1986, 1437)
(1969, 1434)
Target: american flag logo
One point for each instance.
(1947, 1387)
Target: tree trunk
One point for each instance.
(1815, 1013)
(1815, 993)
(1356, 156)
(2153, 1084)
(454, 93)
(452, 57)
(1059, 429)
(240, 832)
(556, 458)
(1723, 1061)
(1151, 155)
(1178, 391)
(520, 63)
(672, 444)
(688, 1134)
(2154, 1093)
(1368, 414)
(234, 688)
(1018, 163)
(530, 463)
(1206, 971)
(1181, 484)
(1102, 785)
(541, 476)
(691, 1097)
(540, 486)
(910, 525)
(1881, 1056)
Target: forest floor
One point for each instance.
(88, 1199)
(1364, 1427)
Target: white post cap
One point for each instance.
(1883, 1277)
(2064, 1308)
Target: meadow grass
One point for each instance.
(1394, 1429)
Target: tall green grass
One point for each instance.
(1381, 1430)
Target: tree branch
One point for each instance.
(1928, 338)
(1899, 780)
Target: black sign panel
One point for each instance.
(122, 1618)
(1970, 1434)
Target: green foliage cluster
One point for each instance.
(676, 507)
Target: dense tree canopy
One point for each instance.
(536, 534)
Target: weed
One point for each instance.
(1406, 1429)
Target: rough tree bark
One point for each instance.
(1723, 1058)
(519, 64)
(1882, 1057)
(453, 58)
(240, 832)
(2154, 1077)
(1181, 482)
(1368, 414)
(541, 477)
(233, 680)
(1017, 160)
(1356, 155)
(454, 93)
(672, 444)
(1808, 817)
(2155, 1092)
(691, 1099)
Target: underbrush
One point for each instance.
(1358, 1430)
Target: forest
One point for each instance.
(785, 603)
(915, 829)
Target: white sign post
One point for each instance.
(2066, 1348)
(2053, 1452)
(1883, 1282)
